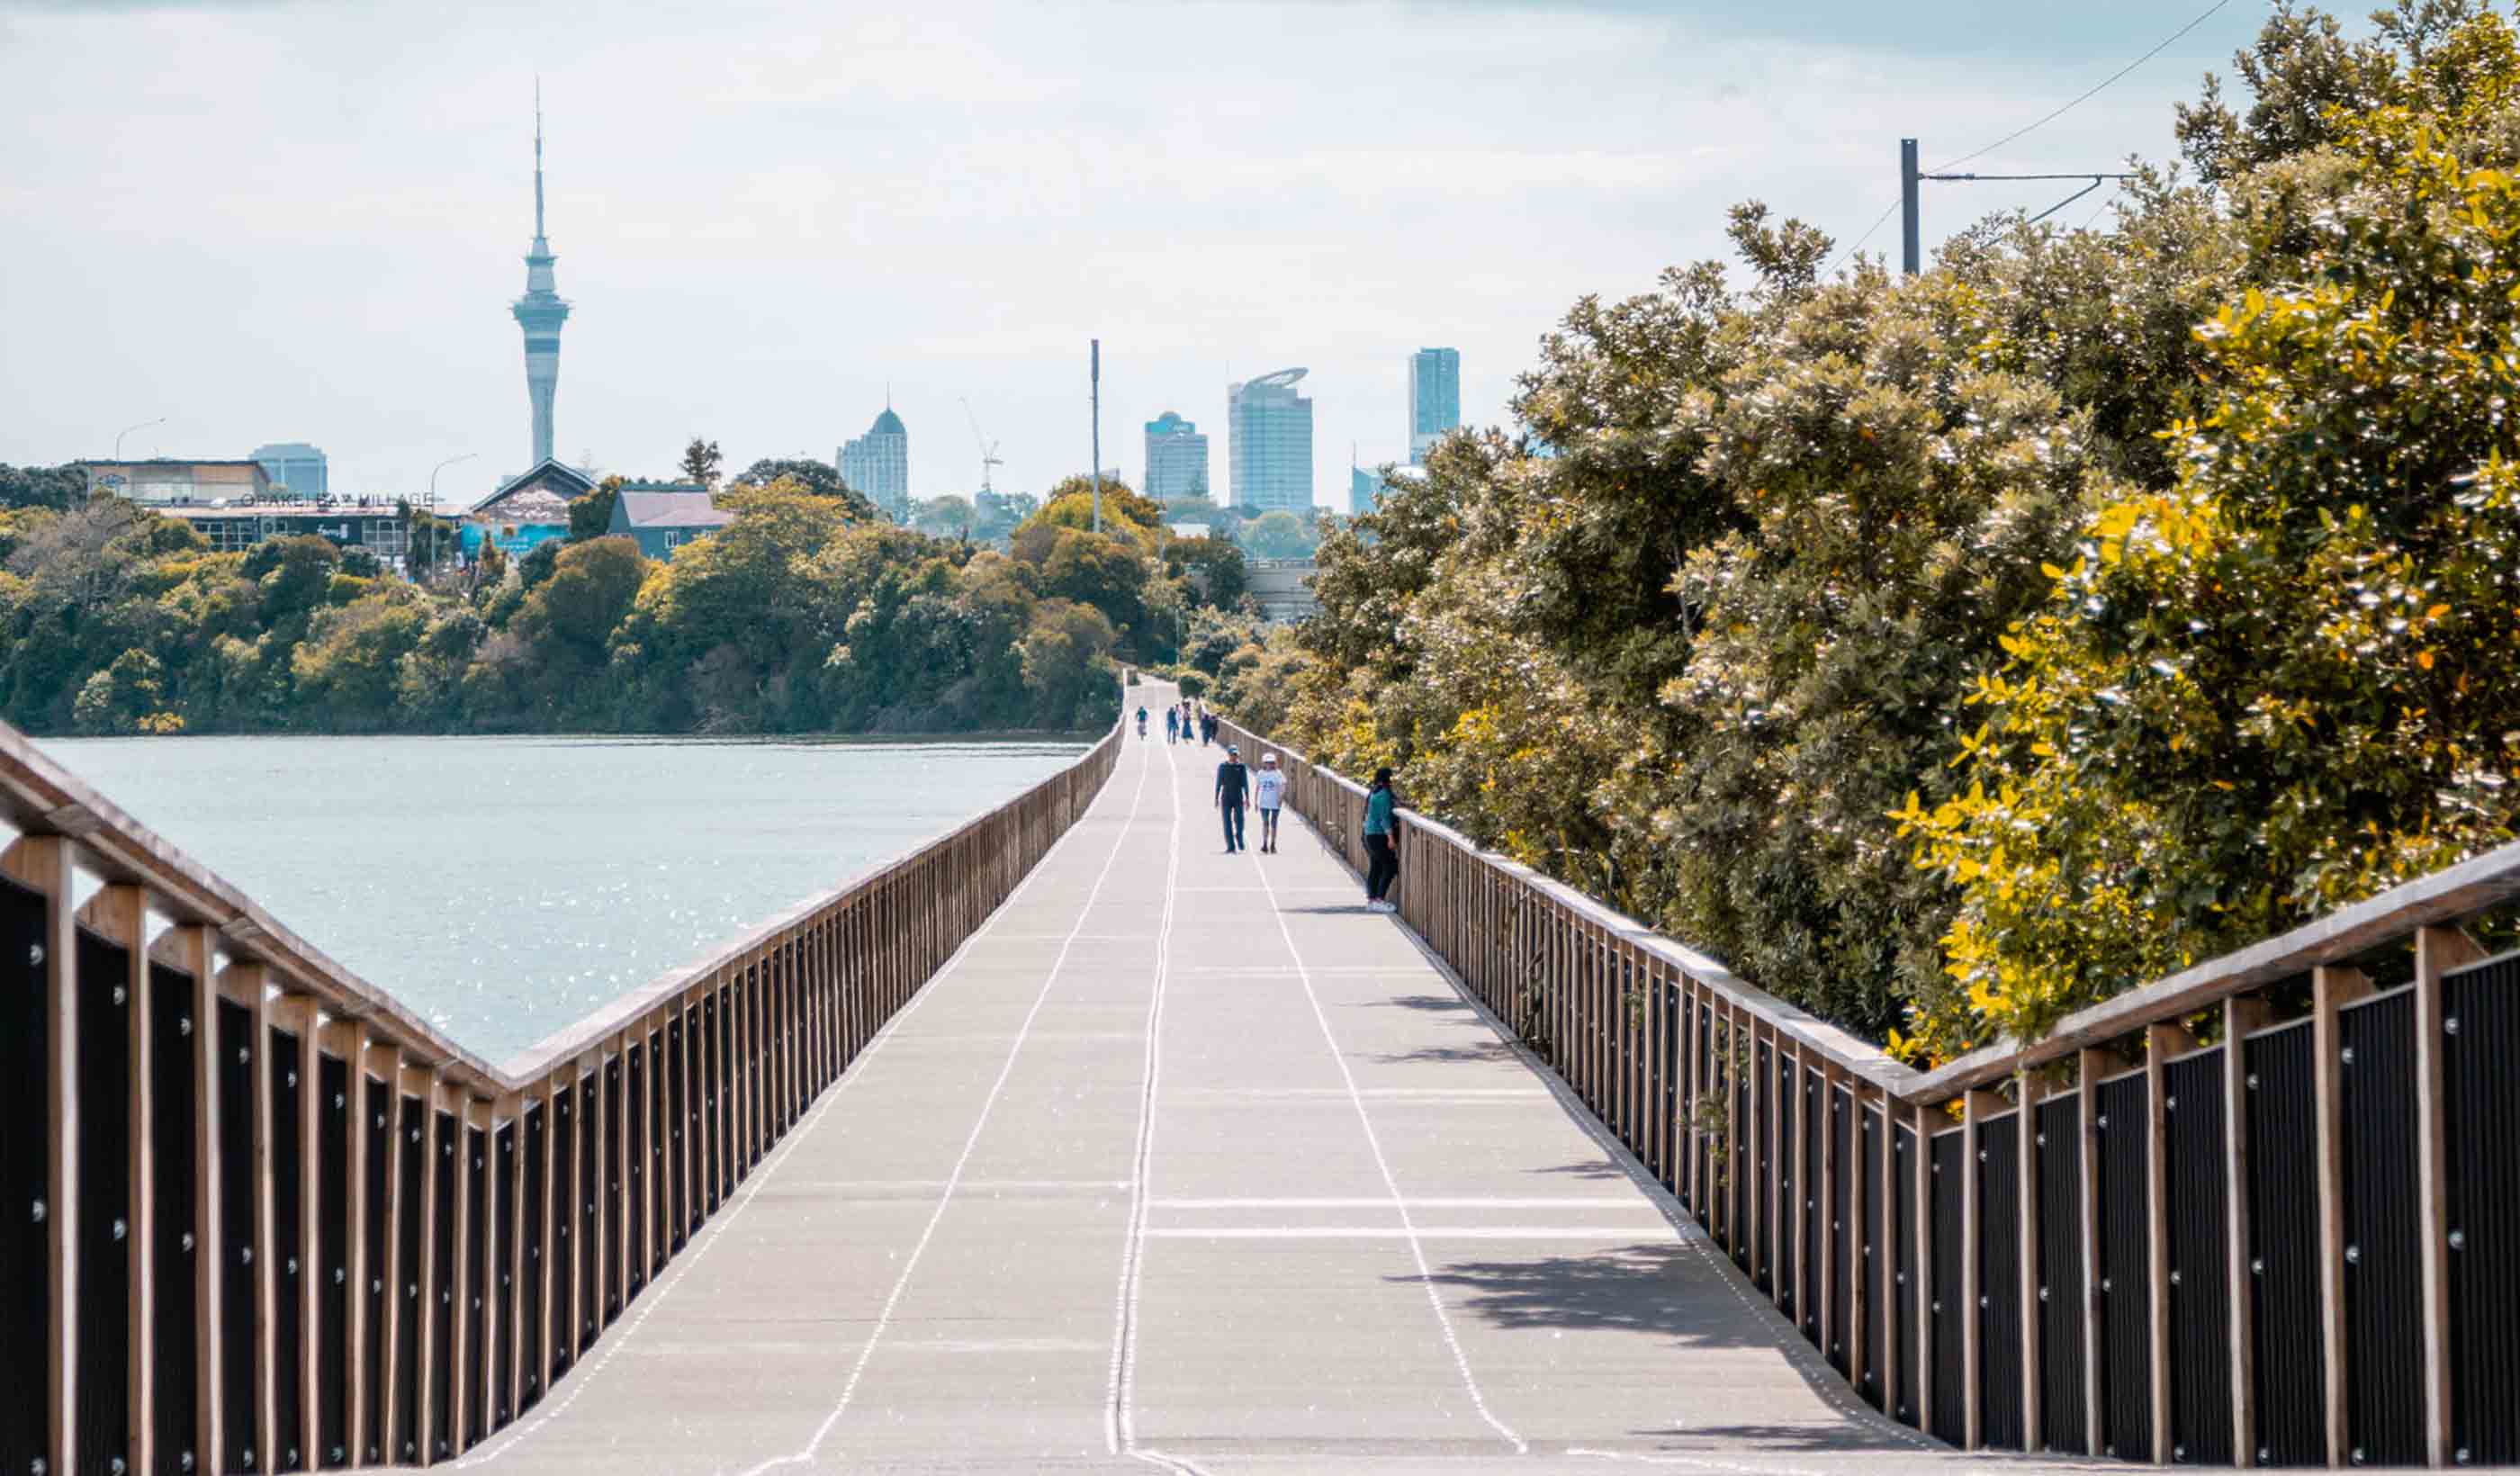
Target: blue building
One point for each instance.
(525, 509)
(664, 516)
(1176, 460)
(1268, 441)
(1434, 398)
(876, 465)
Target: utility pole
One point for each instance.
(1911, 235)
(1098, 434)
(1911, 251)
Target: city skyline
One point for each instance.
(709, 178)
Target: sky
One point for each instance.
(278, 222)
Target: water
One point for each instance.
(502, 889)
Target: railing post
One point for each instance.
(390, 1435)
(350, 1039)
(421, 1441)
(2240, 1017)
(253, 982)
(2034, 1414)
(44, 863)
(2160, 1042)
(1975, 1110)
(2438, 949)
(1884, 1223)
(1920, 1123)
(2088, 1065)
(1857, 1228)
(118, 914)
(1824, 1202)
(298, 1013)
(1701, 1076)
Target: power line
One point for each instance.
(1849, 253)
(2114, 78)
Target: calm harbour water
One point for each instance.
(504, 887)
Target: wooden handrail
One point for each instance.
(2174, 1224)
(392, 1269)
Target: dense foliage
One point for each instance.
(1949, 652)
(805, 614)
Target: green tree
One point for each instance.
(590, 516)
(2284, 683)
(1278, 535)
(123, 698)
(817, 477)
(701, 462)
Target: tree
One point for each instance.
(2284, 683)
(817, 477)
(590, 516)
(700, 461)
(57, 487)
(947, 516)
(126, 696)
(1278, 535)
(1213, 566)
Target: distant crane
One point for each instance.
(988, 448)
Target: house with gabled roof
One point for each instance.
(527, 510)
(664, 516)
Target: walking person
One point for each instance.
(1269, 795)
(1233, 793)
(1142, 722)
(1172, 724)
(1382, 843)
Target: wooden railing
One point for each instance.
(2298, 1244)
(256, 1216)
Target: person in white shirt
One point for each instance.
(1269, 793)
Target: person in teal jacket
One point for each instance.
(1382, 843)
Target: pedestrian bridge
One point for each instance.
(1071, 1141)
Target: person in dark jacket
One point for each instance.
(1382, 843)
(1233, 793)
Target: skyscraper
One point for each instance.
(1176, 460)
(1434, 398)
(296, 465)
(540, 311)
(1270, 442)
(876, 465)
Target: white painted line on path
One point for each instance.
(1625, 1202)
(716, 1229)
(1119, 1412)
(988, 1106)
(1413, 1233)
(1365, 1122)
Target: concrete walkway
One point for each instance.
(1188, 1161)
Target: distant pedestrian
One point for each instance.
(1269, 795)
(1172, 724)
(1142, 721)
(1382, 843)
(1233, 794)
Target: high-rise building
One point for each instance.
(1176, 460)
(540, 311)
(1434, 398)
(1269, 437)
(876, 465)
(294, 466)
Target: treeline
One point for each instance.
(1951, 653)
(803, 615)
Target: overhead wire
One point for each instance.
(2113, 79)
(1849, 253)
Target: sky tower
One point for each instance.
(540, 311)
